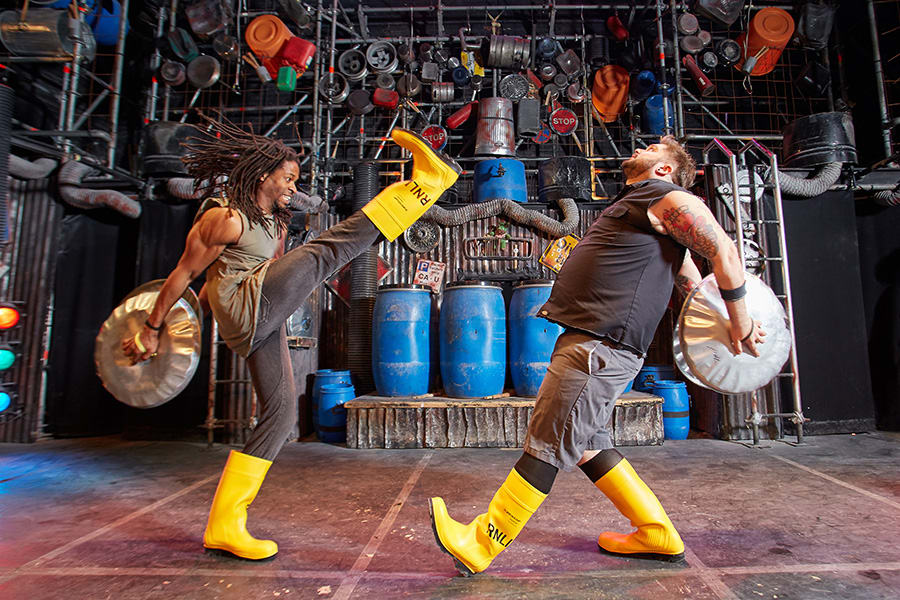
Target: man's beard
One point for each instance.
(637, 166)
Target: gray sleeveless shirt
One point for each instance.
(617, 281)
(234, 282)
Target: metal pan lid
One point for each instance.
(705, 343)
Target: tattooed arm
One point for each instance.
(688, 220)
(688, 276)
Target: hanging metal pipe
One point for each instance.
(90, 109)
(155, 61)
(317, 104)
(117, 84)
(173, 11)
(879, 79)
(72, 99)
(285, 116)
(663, 86)
(679, 107)
(702, 106)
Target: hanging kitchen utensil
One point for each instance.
(172, 73)
(225, 46)
(182, 45)
(360, 102)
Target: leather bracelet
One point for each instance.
(735, 294)
(752, 329)
(161, 325)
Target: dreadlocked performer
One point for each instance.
(252, 289)
(610, 296)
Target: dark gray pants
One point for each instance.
(289, 280)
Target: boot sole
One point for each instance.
(230, 554)
(672, 558)
(463, 569)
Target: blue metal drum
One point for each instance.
(531, 338)
(332, 426)
(401, 339)
(649, 374)
(676, 408)
(500, 178)
(473, 339)
(325, 377)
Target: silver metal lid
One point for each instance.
(158, 380)
(702, 344)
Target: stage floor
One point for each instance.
(106, 518)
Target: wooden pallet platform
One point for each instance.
(438, 422)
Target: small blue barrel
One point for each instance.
(652, 373)
(332, 414)
(654, 117)
(676, 408)
(325, 377)
(500, 178)
(531, 338)
(473, 339)
(401, 338)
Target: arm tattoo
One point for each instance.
(690, 230)
(683, 284)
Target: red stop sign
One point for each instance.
(436, 136)
(563, 121)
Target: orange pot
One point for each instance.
(610, 91)
(770, 28)
(265, 35)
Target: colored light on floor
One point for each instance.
(7, 358)
(5, 401)
(9, 316)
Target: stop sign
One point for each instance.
(563, 121)
(436, 136)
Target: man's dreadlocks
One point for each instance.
(243, 157)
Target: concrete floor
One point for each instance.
(105, 518)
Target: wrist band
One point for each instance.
(752, 329)
(137, 342)
(735, 294)
(161, 325)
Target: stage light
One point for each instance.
(9, 316)
(7, 357)
(5, 401)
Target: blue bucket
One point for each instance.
(500, 178)
(332, 426)
(654, 118)
(106, 24)
(325, 377)
(473, 340)
(401, 339)
(652, 373)
(676, 408)
(531, 338)
(643, 85)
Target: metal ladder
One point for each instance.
(760, 229)
(237, 368)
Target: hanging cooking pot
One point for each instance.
(172, 73)
(204, 71)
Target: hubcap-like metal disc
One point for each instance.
(157, 380)
(703, 341)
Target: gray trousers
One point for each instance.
(289, 280)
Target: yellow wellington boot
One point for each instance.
(655, 537)
(399, 205)
(475, 545)
(227, 526)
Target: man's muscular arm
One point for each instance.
(689, 222)
(214, 230)
(688, 276)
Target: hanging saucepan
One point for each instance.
(204, 71)
(172, 73)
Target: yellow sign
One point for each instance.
(557, 252)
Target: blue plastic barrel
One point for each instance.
(401, 338)
(676, 408)
(332, 426)
(652, 373)
(473, 339)
(654, 118)
(105, 23)
(325, 377)
(500, 178)
(531, 338)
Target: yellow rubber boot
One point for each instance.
(475, 545)
(399, 205)
(655, 537)
(227, 526)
